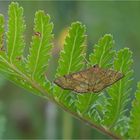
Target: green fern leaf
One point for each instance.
(97, 110)
(71, 57)
(29, 74)
(103, 53)
(16, 72)
(134, 132)
(3, 63)
(40, 48)
(84, 103)
(16, 27)
(119, 93)
(103, 56)
(8, 69)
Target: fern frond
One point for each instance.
(10, 62)
(103, 53)
(119, 93)
(15, 39)
(3, 62)
(30, 73)
(103, 56)
(134, 129)
(71, 57)
(40, 48)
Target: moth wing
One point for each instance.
(77, 82)
(82, 76)
(105, 78)
(93, 79)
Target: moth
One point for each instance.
(93, 79)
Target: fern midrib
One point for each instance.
(118, 106)
(15, 36)
(102, 54)
(106, 57)
(73, 46)
(38, 52)
(87, 106)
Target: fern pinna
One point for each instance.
(106, 111)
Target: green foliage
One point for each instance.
(39, 56)
(16, 27)
(134, 131)
(102, 52)
(115, 116)
(105, 111)
(89, 104)
(15, 45)
(71, 58)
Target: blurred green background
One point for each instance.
(23, 115)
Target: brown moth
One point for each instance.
(93, 79)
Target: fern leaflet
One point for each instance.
(134, 132)
(16, 27)
(103, 53)
(71, 57)
(102, 56)
(40, 48)
(119, 94)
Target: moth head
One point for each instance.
(96, 66)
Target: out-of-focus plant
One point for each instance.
(106, 111)
(2, 121)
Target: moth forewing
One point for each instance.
(93, 79)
